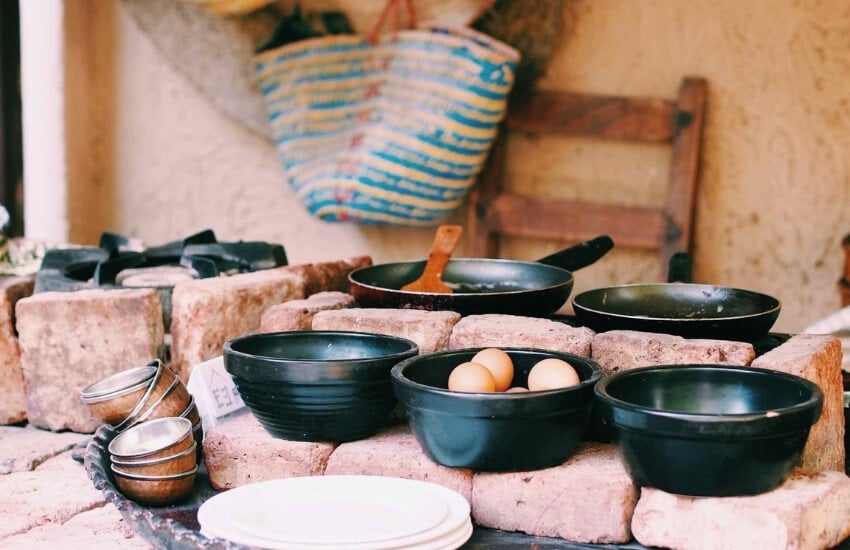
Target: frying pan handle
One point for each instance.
(680, 268)
(580, 255)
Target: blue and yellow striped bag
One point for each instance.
(388, 132)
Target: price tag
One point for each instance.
(215, 393)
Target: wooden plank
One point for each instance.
(481, 239)
(572, 220)
(604, 117)
(666, 229)
(680, 205)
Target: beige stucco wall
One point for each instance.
(772, 208)
(775, 189)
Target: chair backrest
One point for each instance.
(844, 281)
(679, 122)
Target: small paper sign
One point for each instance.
(215, 393)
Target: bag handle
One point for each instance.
(393, 8)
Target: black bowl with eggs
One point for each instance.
(495, 431)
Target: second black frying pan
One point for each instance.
(481, 285)
(684, 309)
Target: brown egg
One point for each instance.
(516, 389)
(550, 374)
(499, 364)
(472, 377)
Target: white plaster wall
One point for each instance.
(774, 201)
(42, 83)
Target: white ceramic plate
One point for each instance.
(354, 511)
(449, 540)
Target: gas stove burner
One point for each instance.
(157, 276)
(201, 253)
(199, 256)
(121, 261)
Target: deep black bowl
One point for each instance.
(709, 430)
(317, 385)
(494, 431)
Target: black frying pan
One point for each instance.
(481, 285)
(680, 308)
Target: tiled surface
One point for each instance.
(48, 500)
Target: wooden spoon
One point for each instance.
(431, 279)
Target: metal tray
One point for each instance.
(176, 527)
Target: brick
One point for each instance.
(69, 340)
(394, 452)
(808, 512)
(13, 406)
(429, 329)
(52, 493)
(618, 350)
(816, 358)
(328, 276)
(101, 528)
(239, 451)
(205, 313)
(24, 448)
(588, 499)
(298, 314)
(518, 331)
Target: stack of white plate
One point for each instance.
(339, 511)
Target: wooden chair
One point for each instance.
(669, 229)
(844, 281)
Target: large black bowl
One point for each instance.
(317, 385)
(709, 430)
(494, 431)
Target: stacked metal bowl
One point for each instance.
(155, 462)
(155, 455)
(139, 394)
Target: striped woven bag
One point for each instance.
(230, 7)
(387, 131)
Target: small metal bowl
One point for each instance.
(173, 402)
(120, 382)
(164, 380)
(198, 435)
(114, 398)
(154, 490)
(182, 461)
(154, 439)
(192, 412)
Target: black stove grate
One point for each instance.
(201, 253)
